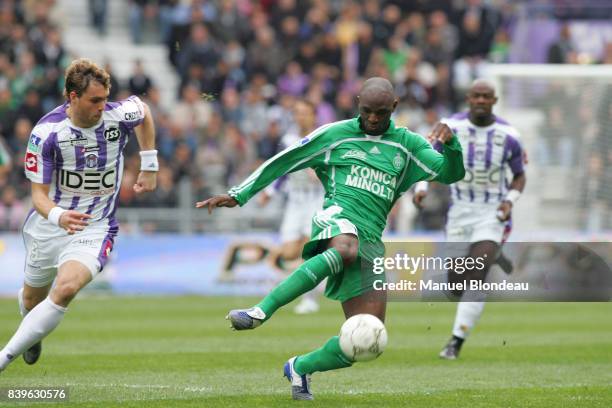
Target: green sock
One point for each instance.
(303, 279)
(328, 357)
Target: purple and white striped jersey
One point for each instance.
(83, 167)
(488, 152)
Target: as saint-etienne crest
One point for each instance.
(398, 161)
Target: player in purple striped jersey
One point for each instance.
(483, 200)
(74, 160)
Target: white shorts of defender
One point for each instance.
(475, 223)
(297, 219)
(48, 247)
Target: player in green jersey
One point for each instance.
(365, 164)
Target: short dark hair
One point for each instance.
(80, 73)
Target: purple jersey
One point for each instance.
(487, 154)
(83, 166)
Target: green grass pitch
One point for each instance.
(179, 352)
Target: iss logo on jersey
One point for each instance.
(91, 160)
(112, 134)
(31, 162)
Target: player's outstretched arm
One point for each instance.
(440, 133)
(145, 133)
(223, 200)
(447, 167)
(70, 220)
(308, 152)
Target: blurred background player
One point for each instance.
(482, 201)
(74, 160)
(365, 164)
(304, 199)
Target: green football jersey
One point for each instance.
(362, 174)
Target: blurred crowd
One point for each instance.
(242, 64)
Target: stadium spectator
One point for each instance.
(231, 24)
(192, 112)
(200, 49)
(562, 51)
(12, 210)
(5, 160)
(293, 81)
(254, 110)
(477, 26)
(139, 83)
(136, 15)
(20, 135)
(97, 14)
(116, 87)
(265, 55)
(607, 56)
(363, 47)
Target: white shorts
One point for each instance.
(297, 220)
(48, 247)
(475, 223)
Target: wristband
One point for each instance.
(513, 196)
(54, 215)
(421, 186)
(148, 160)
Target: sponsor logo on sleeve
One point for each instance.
(131, 115)
(31, 162)
(34, 144)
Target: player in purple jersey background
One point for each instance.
(481, 209)
(74, 160)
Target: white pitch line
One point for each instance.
(143, 386)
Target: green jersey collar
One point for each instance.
(390, 130)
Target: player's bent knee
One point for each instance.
(64, 292)
(30, 300)
(348, 253)
(347, 246)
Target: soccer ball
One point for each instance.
(363, 337)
